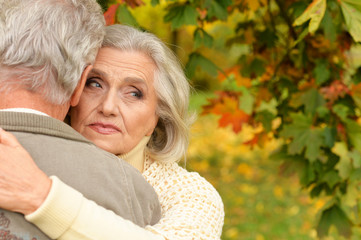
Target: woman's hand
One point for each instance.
(23, 186)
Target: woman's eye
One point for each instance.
(93, 83)
(137, 94)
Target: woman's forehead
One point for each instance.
(114, 63)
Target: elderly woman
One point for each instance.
(134, 105)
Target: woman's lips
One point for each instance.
(105, 129)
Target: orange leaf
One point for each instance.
(109, 15)
(227, 105)
(235, 119)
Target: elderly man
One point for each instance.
(46, 50)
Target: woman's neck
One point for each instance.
(136, 156)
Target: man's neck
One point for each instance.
(21, 98)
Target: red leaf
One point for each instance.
(109, 15)
(336, 90)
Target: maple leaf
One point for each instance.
(227, 108)
(334, 216)
(303, 136)
(110, 14)
(314, 12)
(235, 119)
(351, 12)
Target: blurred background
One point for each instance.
(276, 86)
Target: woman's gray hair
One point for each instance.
(169, 141)
(45, 45)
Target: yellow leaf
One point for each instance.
(253, 4)
(315, 11)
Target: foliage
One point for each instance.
(295, 81)
(259, 203)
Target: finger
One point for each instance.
(8, 139)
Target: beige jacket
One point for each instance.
(99, 176)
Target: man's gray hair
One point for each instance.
(169, 142)
(46, 44)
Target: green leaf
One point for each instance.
(356, 158)
(201, 37)
(180, 15)
(351, 10)
(266, 118)
(312, 99)
(218, 9)
(331, 178)
(197, 60)
(307, 175)
(270, 106)
(255, 69)
(328, 25)
(353, 130)
(330, 134)
(268, 37)
(304, 136)
(344, 165)
(154, 2)
(336, 217)
(341, 111)
(124, 16)
(356, 78)
(246, 101)
(315, 13)
(321, 71)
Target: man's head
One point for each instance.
(45, 45)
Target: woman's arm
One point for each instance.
(23, 186)
(58, 210)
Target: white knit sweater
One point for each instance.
(191, 208)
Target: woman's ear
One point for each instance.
(74, 100)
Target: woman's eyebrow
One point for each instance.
(98, 72)
(136, 80)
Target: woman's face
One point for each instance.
(118, 105)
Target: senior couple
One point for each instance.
(128, 100)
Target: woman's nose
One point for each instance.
(109, 105)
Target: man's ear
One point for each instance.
(74, 100)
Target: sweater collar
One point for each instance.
(136, 156)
